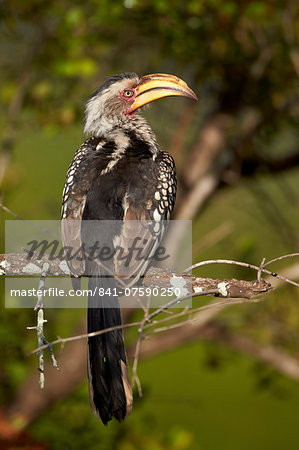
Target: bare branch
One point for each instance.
(40, 339)
(259, 273)
(40, 333)
(9, 211)
(135, 378)
(247, 265)
(291, 255)
(211, 308)
(84, 336)
(18, 264)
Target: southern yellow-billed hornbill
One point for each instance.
(119, 174)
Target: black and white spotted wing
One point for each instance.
(77, 184)
(147, 220)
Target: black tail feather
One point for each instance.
(109, 386)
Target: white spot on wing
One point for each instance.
(157, 216)
(156, 227)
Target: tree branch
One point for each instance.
(19, 264)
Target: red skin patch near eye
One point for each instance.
(130, 112)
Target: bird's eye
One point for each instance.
(128, 93)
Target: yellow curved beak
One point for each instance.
(159, 85)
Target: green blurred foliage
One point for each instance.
(237, 56)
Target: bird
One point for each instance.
(118, 176)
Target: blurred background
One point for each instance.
(233, 383)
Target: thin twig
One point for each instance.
(259, 273)
(291, 255)
(178, 300)
(83, 336)
(9, 211)
(40, 339)
(135, 377)
(215, 305)
(42, 342)
(240, 263)
(17, 217)
(40, 290)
